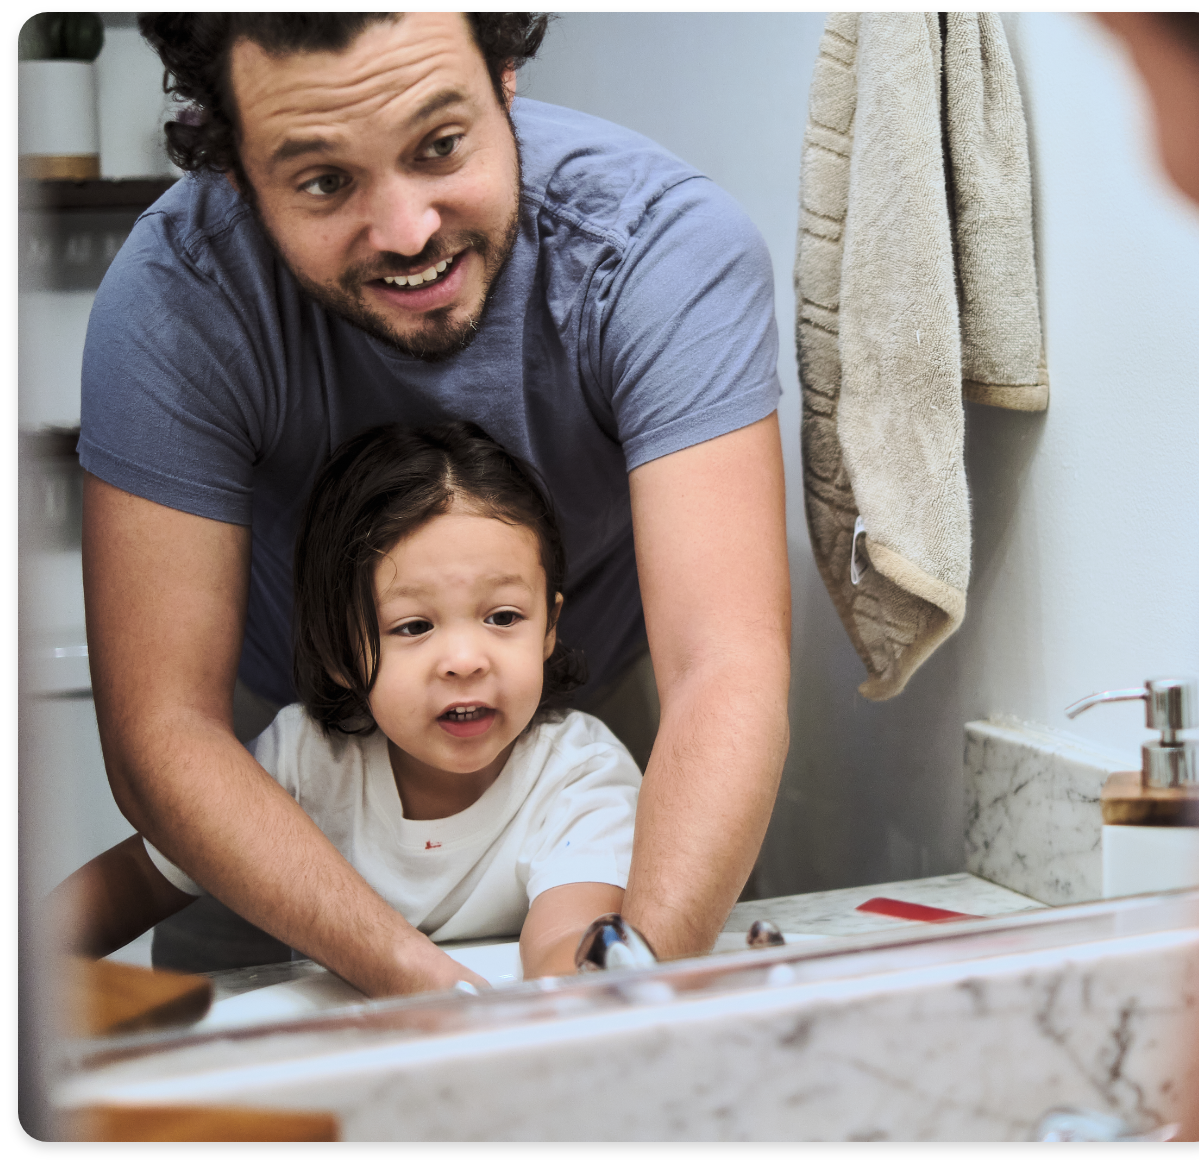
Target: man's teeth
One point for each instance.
(425, 276)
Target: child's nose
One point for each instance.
(464, 655)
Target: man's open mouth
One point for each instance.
(431, 274)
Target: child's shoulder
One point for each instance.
(565, 743)
(566, 727)
(294, 734)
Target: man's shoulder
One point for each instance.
(598, 176)
(198, 207)
(200, 224)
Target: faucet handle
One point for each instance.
(613, 942)
(763, 933)
(1171, 704)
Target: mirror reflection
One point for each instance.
(429, 550)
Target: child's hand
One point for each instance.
(112, 900)
(555, 923)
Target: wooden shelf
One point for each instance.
(94, 194)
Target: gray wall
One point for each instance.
(1085, 548)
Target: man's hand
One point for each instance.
(166, 600)
(710, 529)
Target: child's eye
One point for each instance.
(414, 627)
(504, 619)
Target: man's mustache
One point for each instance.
(393, 263)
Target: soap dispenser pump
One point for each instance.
(1151, 818)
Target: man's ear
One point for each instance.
(508, 84)
(551, 626)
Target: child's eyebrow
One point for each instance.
(507, 580)
(419, 591)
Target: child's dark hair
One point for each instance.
(375, 489)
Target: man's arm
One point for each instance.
(166, 600)
(710, 530)
(555, 923)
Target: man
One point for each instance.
(364, 241)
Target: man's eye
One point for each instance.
(443, 147)
(324, 185)
(414, 627)
(504, 619)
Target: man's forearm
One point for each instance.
(705, 802)
(203, 800)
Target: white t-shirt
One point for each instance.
(561, 811)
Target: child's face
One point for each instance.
(463, 625)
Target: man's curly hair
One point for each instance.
(194, 49)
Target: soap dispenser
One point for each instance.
(1151, 818)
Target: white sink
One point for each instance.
(318, 989)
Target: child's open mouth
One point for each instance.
(467, 720)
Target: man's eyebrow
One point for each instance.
(437, 102)
(295, 147)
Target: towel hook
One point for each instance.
(859, 527)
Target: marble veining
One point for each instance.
(1033, 821)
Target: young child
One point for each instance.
(428, 746)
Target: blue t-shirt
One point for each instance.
(634, 318)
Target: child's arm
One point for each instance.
(556, 921)
(112, 900)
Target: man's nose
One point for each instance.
(402, 216)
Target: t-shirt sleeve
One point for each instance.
(681, 334)
(586, 835)
(179, 375)
(169, 871)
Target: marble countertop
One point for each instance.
(834, 912)
(968, 1031)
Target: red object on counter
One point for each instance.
(898, 909)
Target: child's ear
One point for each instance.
(551, 626)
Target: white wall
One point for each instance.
(130, 102)
(1086, 559)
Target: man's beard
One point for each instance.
(437, 336)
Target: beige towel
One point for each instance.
(916, 284)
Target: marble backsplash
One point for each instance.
(1033, 821)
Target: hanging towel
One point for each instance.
(916, 286)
